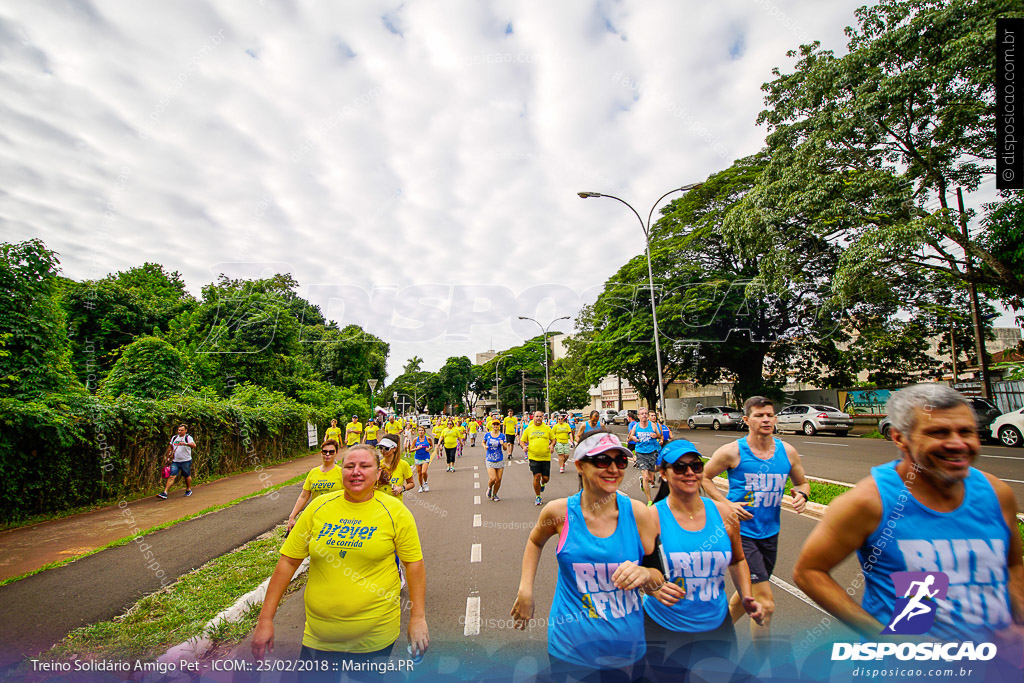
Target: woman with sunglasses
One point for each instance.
(595, 625)
(324, 478)
(689, 621)
(395, 473)
(423, 445)
(494, 442)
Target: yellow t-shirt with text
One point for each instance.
(402, 474)
(539, 440)
(319, 482)
(510, 425)
(333, 433)
(353, 593)
(562, 431)
(451, 437)
(353, 431)
(371, 431)
(392, 427)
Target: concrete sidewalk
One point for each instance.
(27, 548)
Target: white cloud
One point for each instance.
(448, 137)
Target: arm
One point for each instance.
(416, 576)
(550, 522)
(725, 458)
(1014, 560)
(849, 521)
(299, 504)
(738, 569)
(629, 575)
(263, 636)
(631, 437)
(800, 483)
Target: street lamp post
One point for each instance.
(373, 386)
(547, 381)
(646, 227)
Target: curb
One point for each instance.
(193, 650)
(812, 510)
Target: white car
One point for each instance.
(1009, 428)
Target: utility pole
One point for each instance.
(952, 346)
(522, 374)
(979, 335)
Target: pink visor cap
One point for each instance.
(597, 443)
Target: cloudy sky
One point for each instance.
(414, 166)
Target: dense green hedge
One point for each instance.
(73, 449)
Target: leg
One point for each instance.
(536, 484)
(497, 480)
(169, 483)
(188, 483)
(761, 635)
(648, 480)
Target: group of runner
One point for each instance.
(641, 593)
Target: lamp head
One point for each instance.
(691, 186)
(587, 195)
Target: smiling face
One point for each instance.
(602, 481)
(359, 474)
(686, 483)
(943, 444)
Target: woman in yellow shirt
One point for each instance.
(324, 478)
(395, 473)
(333, 432)
(451, 437)
(353, 603)
(370, 432)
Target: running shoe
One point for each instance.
(488, 491)
(162, 495)
(419, 490)
(538, 501)
(561, 469)
(426, 487)
(542, 487)
(495, 499)
(650, 503)
(188, 493)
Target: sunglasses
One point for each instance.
(604, 461)
(680, 467)
(328, 452)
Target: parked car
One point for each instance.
(608, 416)
(811, 418)
(624, 417)
(717, 417)
(577, 415)
(1009, 428)
(984, 412)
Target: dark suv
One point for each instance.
(984, 414)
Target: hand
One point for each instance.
(263, 638)
(419, 637)
(397, 490)
(799, 502)
(630, 575)
(740, 511)
(669, 594)
(522, 610)
(291, 524)
(753, 609)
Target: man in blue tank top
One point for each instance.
(930, 513)
(758, 466)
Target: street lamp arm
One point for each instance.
(585, 195)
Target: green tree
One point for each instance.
(869, 149)
(38, 353)
(148, 368)
(570, 389)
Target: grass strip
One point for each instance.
(180, 611)
(165, 525)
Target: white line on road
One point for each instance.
(476, 467)
(476, 475)
(476, 500)
(476, 484)
(472, 616)
(790, 588)
(478, 520)
(475, 551)
(1015, 481)
(826, 443)
(1004, 457)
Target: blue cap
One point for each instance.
(675, 448)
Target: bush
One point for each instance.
(148, 368)
(73, 449)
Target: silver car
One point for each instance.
(813, 418)
(718, 417)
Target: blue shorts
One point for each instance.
(184, 467)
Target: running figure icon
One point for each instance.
(914, 607)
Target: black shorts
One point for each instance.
(510, 438)
(761, 553)
(541, 467)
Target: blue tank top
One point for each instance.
(697, 561)
(646, 441)
(422, 448)
(968, 544)
(587, 427)
(592, 623)
(760, 483)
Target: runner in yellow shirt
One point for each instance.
(474, 427)
(395, 473)
(353, 432)
(538, 441)
(333, 432)
(509, 428)
(563, 441)
(450, 438)
(437, 431)
(324, 478)
(370, 433)
(353, 591)
(392, 426)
